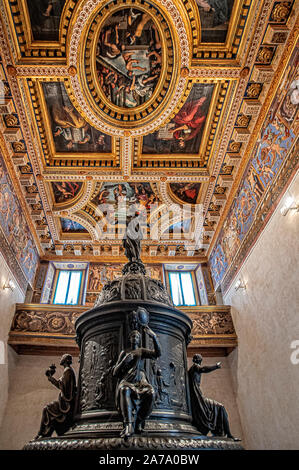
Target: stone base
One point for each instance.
(135, 443)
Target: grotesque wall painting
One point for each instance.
(186, 192)
(71, 133)
(129, 57)
(182, 135)
(101, 273)
(71, 226)
(65, 190)
(277, 138)
(214, 18)
(14, 226)
(45, 18)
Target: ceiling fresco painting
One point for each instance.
(131, 193)
(65, 191)
(186, 192)
(147, 102)
(180, 227)
(71, 226)
(45, 18)
(214, 19)
(129, 57)
(183, 133)
(70, 131)
(113, 204)
(127, 62)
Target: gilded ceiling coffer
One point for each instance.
(133, 389)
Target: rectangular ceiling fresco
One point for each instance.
(214, 18)
(278, 136)
(183, 134)
(45, 18)
(70, 132)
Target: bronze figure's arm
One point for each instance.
(55, 382)
(120, 362)
(156, 352)
(207, 369)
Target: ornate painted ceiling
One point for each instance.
(147, 101)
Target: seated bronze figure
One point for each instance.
(57, 415)
(134, 394)
(208, 415)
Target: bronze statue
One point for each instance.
(208, 415)
(57, 415)
(134, 394)
(131, 240)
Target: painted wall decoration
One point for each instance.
(214, 18)
(101, 273)
(129, 57)
(182, 135)
(71, 133)
(65, 190)
(14, 227)
(71, 226)
(201, 287)
(48, 284)
(45, 18)
(277, 137)
(186, 192)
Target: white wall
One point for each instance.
(8, 299)
(29, 392)
(266, 320)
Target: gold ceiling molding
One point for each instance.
(126, 156)
(48, 71)
(232, 124)
(223, 142)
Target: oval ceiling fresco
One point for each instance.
(129, 55)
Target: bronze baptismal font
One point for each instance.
(134, 390)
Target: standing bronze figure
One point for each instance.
(131, 240)
(57, 415)
(208, 415)
(134, 393)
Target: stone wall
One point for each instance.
(265, 317)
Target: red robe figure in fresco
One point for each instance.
(189, 121)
